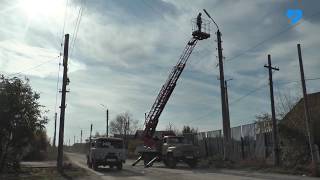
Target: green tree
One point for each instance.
(21, 120)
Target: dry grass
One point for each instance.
(51, 173)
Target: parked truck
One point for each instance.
(106, 151)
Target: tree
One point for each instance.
(189, 130)
(124, 124)
(264, 123)
(171, 127)
(21, 120)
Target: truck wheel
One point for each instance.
(94, 165)
(119, 166)
(171, 161)
(146, 159)
(88, 163)
(192, 163)
(165, 162)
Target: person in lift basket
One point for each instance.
(199, 22)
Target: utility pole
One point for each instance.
(307, 114)
(55, 128)
(276, 155)
(81, 136)
(90, 134)
(63, 102)
(225, 121)
(74, 140)
(107, 122)
(227, 101)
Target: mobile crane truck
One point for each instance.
(170, 149)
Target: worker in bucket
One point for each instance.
(199, 22)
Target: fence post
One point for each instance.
(242, 148)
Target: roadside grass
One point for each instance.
(48, 173)
(261, 166)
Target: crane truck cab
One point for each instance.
(105, 151)
(177, 149)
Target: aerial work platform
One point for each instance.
(202, 34)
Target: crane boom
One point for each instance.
(165, 93)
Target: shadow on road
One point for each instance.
(119, 173)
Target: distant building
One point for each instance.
(295, 119)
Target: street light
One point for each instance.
(107, 119)
(211, 19)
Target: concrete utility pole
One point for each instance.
(81, 136)
(74, 140)
(227, 101)
(107, 119)
(225, 121)
(90, 134)
(55, 129)
(63, 102)
(276, 155)
(107, 122)
(307, 113)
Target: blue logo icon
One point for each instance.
(294, 15)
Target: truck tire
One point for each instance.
(94, 165)
(146, 159)
(88, 163)
(119, 166)
(192, 163)
(165, 162)
(171, 161)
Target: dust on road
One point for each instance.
(182, 172)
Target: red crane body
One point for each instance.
(153, 116)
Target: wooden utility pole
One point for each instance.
(307, 114)
(225, 122)
(55, 130)
(63, 102)
(276, 155)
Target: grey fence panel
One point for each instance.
(248, 141)
(215, 143)
(251, 141)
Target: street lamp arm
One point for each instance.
(211, 18)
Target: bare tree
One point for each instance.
(124, 124)
(171, 127)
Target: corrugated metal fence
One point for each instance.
(250, 141)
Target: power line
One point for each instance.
(57, 89)
(33, 67)
(272, 37)
(248, 94)
(76, 28)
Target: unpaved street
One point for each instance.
(159, 172)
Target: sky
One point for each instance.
(123, 50)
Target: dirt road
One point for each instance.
(159, 172)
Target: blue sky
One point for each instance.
(125, 50)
